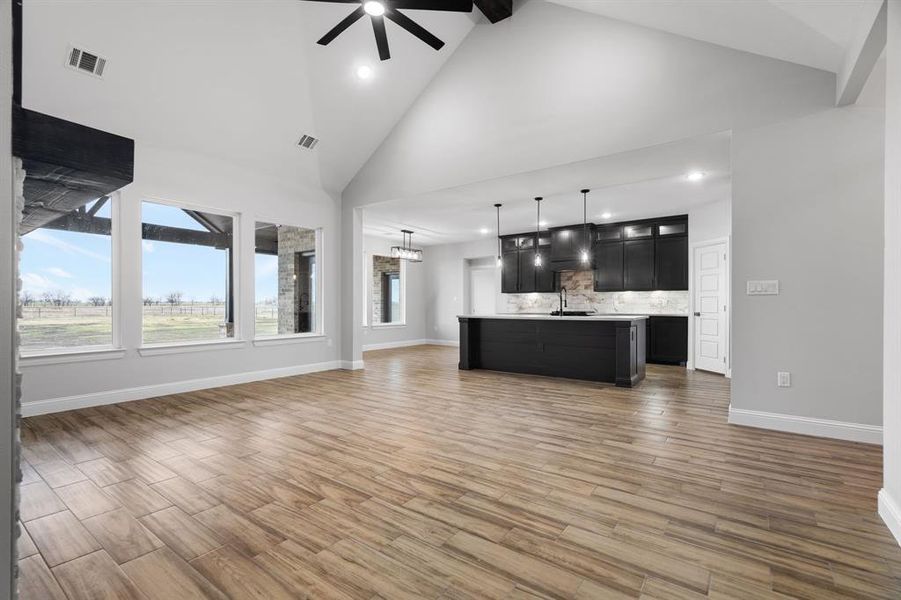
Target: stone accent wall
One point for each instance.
(581, 296)
(19, 198)
(380, 265)
(291, 241)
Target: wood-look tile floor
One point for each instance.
(414, 480)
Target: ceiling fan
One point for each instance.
(379, 10)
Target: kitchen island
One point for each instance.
(608, 348)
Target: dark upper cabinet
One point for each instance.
(527, 271)
(608, 233)
(510, 272)
(638, 230)
(608, 267)
(636, 256)
(671, 262)
(638, 265)
(520, 275)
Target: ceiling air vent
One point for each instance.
(87, 62)
(308, 142)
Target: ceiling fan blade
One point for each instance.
(381, 37)
(445, 5)
(414, 28)
(340, 27)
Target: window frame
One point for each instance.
(114, 349)
(237, 339)
(319, 320)
(403, 294)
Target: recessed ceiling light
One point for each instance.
(376, 9)
(542, 223)
(695, 176)
(606, 215)
(484, 230)
(364, 72)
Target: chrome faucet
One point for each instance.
(563, 299)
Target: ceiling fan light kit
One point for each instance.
(379, 10)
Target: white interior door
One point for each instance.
(482, 291)
(710, 302)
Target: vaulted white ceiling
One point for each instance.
(814, 33)
(352, 117)
(241, 81)
(244, 80)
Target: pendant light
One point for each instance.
(500, 263)
(538, 231)
(585, 254)
(406, 251)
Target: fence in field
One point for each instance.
(202, 310)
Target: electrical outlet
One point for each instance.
(328, 342)
(784, 379)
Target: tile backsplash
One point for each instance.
(581, 296)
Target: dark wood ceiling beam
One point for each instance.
(495, 10)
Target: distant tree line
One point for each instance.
(175, 299)
(60, 298)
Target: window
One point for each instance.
(387, 291)
(286, 287)
(67, 277)
(188, 278)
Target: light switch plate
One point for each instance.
(763, 287)
(784, 379)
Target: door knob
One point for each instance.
(697, 314)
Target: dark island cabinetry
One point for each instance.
(667, 340)
(609, 349)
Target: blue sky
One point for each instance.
(80, 263)
(77, 263)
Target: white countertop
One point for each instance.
(547, 317)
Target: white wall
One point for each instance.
(890, 496)
(165, 173)
(710, 221)
(413, 330)
(553, 85)
(447, 284)
(807, 210)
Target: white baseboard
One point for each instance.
(407, 343)
(52, 405)
(351, 365)
(388, 345)
(890, 511)
(453, 343)
(840, 430)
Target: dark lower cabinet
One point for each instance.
(671, 263)
(667, 340)
(638, 265)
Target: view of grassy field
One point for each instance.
(43, 327)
